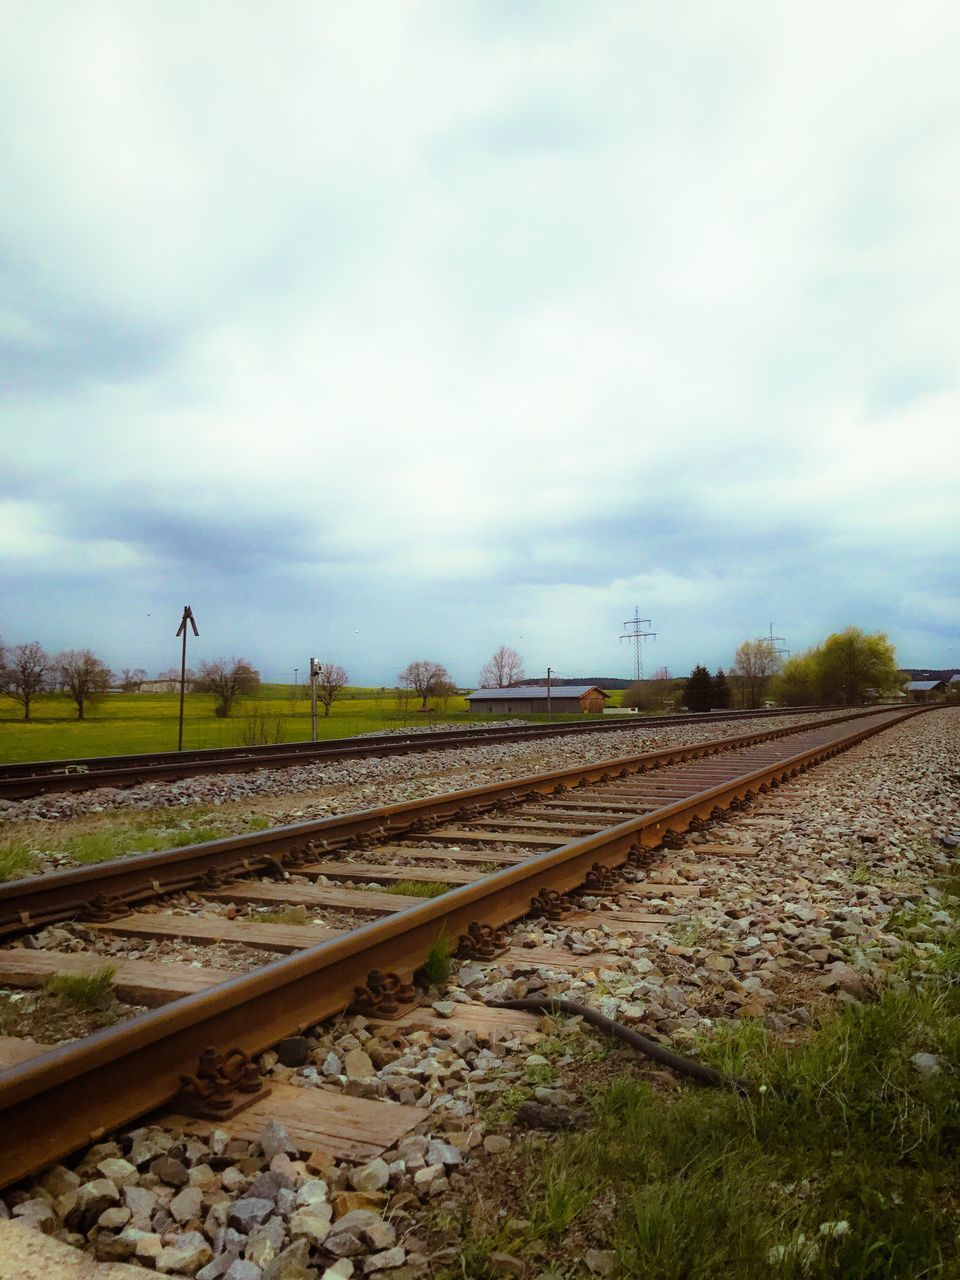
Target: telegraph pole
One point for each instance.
(314, 677)
(182, 631)
(549, 673)
(633, 630)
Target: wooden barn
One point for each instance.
(570, 699)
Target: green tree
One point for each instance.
(721, 690)
(798, 684)
(659, 694)
(852, 665)
(699, 692)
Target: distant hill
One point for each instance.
(602, 682)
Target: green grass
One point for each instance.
(686, 932)
(125, 723)
(840, 1163)
(16, 857)
(289, 915)
(104, 846)
(417, 888)
(83, 990)
(128, 834)
(435, 970)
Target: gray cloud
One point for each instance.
(484, 330)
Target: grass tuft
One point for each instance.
(686, 932)
(16, 857)
(84, 990)
(418, 888)
(435, 970)
(289, 915)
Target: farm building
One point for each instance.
(585, 699)
(925, 690)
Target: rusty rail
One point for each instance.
(39, 777)
(33, 901)
(73, 1094)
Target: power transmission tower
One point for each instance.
(772, 640)
(633, 630)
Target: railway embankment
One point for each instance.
(789, 925)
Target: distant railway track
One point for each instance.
(546, 834)
(38, 777)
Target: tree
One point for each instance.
(426, 679)
(699, 691)
(504, 669)
(653, 695)
(851, 664)
(26, 673)
(662, 673)
(721, 690)
(227, 681)
(797, 685)
(755, 662)
(131, 680)
(330, 681)
(83, 676)
(848, 667)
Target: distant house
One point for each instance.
(924, 690)
(585, 699)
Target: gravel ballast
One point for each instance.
(836, 892)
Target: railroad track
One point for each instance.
(37, 777)
(505, 851)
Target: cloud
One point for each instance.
(492, 322)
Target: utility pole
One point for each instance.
(633, 630)
(182, 631)
(314, 677)
(772, 640)
(549, 673)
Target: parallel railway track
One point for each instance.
(38, 777)
(548, 834)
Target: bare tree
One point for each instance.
(426, 679)
(83, 676)
(227, 681)
(26, 673)
(755, 662)
(504, 669)
(330, 681)
(132, 678)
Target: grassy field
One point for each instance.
(123, 723)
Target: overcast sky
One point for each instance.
(398, 330)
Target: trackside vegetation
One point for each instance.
(841, 1161)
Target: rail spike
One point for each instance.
(600, 879)
(481, 942)
(384, 995)
(104, 908)
(550, 903)
(224, 1085)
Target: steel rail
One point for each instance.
(39, 777)
(33, 901)
(73, 1094)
